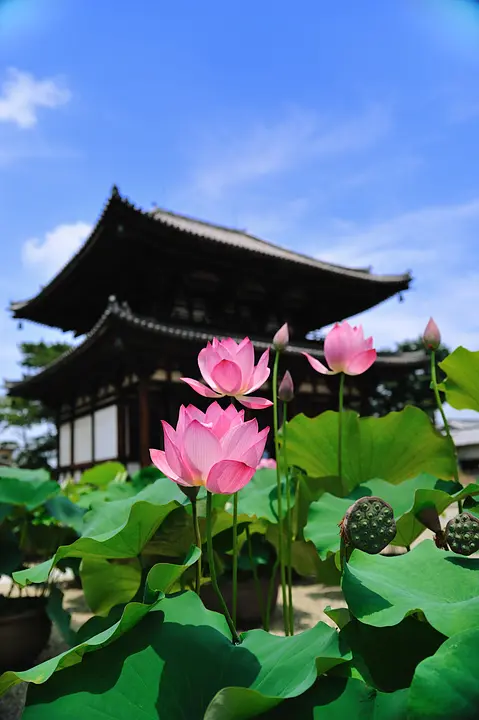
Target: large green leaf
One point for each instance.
(119, 529)
(30, 488)
(178, 661)
(335, 698)
(106, 583)
(259, 499)
(386, 657)
(406, 499)
(131, 615)
(163, 576)
(462, 382)
(383, 590)
(66, 512)
(101, 475)
(397, 447)
(446, 686)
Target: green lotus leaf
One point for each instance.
(118, 529)
(179, 662)
(397, 447)
(406, 499)
(445, 685)
(462, 382)
(382, 590)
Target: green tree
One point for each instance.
(24, 416)
(413, 388)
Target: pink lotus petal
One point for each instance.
(254, 403)
(317, 365)
(230, 345)
(172, 452)
(239, 439)
(193, 413)
(245, 360)
(201, 448)
(361, 362)
(227, 377)
(339, 345)
(227, 351)
(221, 420)
(159, 460)
(255, 452)
(207, 359)
(228, 476)
(260, 374)
(201, 389)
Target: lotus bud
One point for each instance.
(286, 388)
(281, 338)
(462, 534)
(432, 336)
(369, 525)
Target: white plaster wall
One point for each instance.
(106, 433)
(82, 449)
(65, 445)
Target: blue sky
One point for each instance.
(347, 130)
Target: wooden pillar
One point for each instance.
(144, 422)
(121, 426)
(93, 406)
(58, 424)
(72, 437)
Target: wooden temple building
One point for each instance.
(146, 291)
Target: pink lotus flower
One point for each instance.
(432, 336)
(217, 449)
(267, 464)
(346, 351)
(228, 369)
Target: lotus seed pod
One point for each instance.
(462, 534)
(369, 525)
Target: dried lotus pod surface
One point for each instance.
(462, 534)
(369, 525)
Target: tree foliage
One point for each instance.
(23, 416)
(412, 388)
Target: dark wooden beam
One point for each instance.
(72, 435)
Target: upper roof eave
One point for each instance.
(213, 233)
(122, 313)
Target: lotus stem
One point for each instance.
(289, 547)
(340, 427)
(211, 562)
(198, 543)
(235, 556)
(279, 490)
(270, 594)
(255, 577)
(444, 419)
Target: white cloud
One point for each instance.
(439, 245)
(267, 149)
(46, 256)
(22, 95)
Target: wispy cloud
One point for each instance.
(22, 95)
(47, 255)
(268, 149)
(439, 244)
